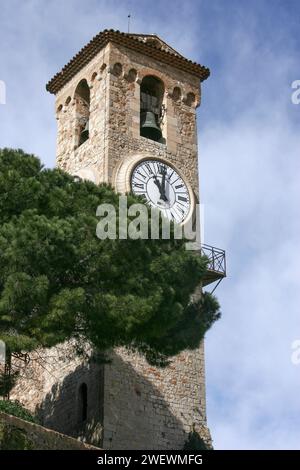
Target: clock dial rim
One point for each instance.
(139, 161)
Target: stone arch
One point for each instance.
(82, 103)
(93, 77)
(176, 93)
(190, 99)
(153, 72)
(103, 67)
(117, 69)
(131, 75)
(152, 92)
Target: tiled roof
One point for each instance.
(150, 45)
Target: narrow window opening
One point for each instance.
(82, 99)
(83, 403)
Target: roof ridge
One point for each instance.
(87, 52)
(155, 36)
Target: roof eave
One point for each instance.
(90, 50)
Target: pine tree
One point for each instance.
(59, 281)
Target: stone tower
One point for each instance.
(123, 101)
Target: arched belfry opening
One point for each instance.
(82, 102)
(82, 403)
(152, 94)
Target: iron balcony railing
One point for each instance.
(216, 264)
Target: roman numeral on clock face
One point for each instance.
(163, 188)
(149, 169)
(179, 209)
(170, 175)
(141, 174)
(162, 169)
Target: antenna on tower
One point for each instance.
(129, 17)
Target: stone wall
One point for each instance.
(154, 408)
(90, 155)
(114, 77)
(17, 434)
(131, 405)
(124, 138)
(49, 386)
(144, 407)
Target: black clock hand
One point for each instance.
(156, 181)
(163, 187)
(163, 184)
(161, 191)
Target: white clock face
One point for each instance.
(163, 188)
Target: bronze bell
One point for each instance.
(84, 133)
(149, 127)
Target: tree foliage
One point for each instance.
(195, 442)
(14, 408)
(59, 281)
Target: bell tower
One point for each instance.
(126, 112)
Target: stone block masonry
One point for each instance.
(153, 408)
(50, 386)
(17, 434)
(128, 403)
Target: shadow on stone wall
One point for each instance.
(125, 410)
(138, 412)
(62, 409)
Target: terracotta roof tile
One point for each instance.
(156, 48)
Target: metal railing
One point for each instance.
(216, 260)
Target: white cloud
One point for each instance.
(249, 173)
(249, 167)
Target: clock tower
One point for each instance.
(126, 112)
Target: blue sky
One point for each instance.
(249, 145)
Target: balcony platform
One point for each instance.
(216, 264)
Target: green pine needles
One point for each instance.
(59, 281)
